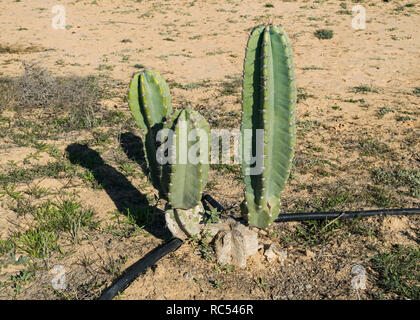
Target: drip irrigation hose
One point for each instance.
(344, 214)
(288, 217)
(213, 202)
(140, 266)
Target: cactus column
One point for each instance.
(150, 103)
(268, 105)
(185, 178)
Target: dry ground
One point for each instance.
(72, 183)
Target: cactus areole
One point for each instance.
(269, 116)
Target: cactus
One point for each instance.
(149, 99)
(183, 181)
(180, 180)
(268, 103)
(150, 103)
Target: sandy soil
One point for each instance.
(196, 42)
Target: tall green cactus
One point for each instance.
(268, 103)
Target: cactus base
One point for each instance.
(184, 223)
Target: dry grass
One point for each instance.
(19, 49)
(77, 97)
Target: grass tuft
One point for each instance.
(399, 271)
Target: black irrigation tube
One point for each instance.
(140, 266)
(329, 215)
(344, 214)
(158, 253)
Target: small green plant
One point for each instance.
(212, 216)
(20, 279)
(203, 245)
(398, 271)
(324, 34)
(261, 283)
(382, 111)
(218, 284)
(363, 89)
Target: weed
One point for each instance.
(324, 34)
(228, 168)
(399, 117)
(67, 216)
(212, 216)
(363, 89)
(203, 245)
(314, 232)
(128, 224)
(36, 88)
(312, 68)
(261, 283)
(20, 279)
(37, 243)
(217, 284)
(17, 49)
(231, 87)
(372, 147)
(382, 111)
(398, 271)
(355, 100)
(349, 12)
(303, 95)
(398, 177)
(381, 197)
(113, 266)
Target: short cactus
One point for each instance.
(150, 103)
(176, 146)
(184, 180)
(149, 99)
(268, 103)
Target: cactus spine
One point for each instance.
(268, 103)
(181, 178)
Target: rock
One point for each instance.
(223, 247)
(272, 254)
(234, 246)
(212, 229)
(309, 254)
(188, 276)
(262, 233)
